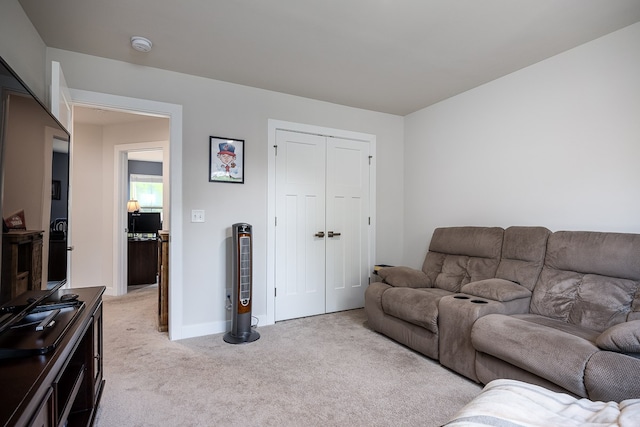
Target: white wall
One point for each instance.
(93, 195)
(22, 48)
(555, 144)
(216, 108)
(89, 254)
(212, 108)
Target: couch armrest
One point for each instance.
(456, 316)
(373, 304)
(612, 376)
(622, 338)
(497, 290)
(404, 277)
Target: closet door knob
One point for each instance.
(332, 234)
(320, 234)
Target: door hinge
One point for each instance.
(370, 157)
(369, 220)
(275, 292)
(275, 222)
(276, 147)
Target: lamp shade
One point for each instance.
(133, 206)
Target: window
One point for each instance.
(147, 190)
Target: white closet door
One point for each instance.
(300, 213)
(322, 230)
(347, 224)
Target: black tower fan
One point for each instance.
(242, 280)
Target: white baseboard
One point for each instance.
(212, 328)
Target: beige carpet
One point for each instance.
(329, 370)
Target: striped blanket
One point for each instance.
(509, 403)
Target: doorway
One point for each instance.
(321, 196)
(99, 134)
(145, 178)
(114, 260)
(141, 177)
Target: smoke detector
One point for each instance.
(141, 44)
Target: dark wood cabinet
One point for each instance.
(97, 349)
(163, 281)
(21, 262)
(44, 416)
(62, 387)
(142, 261)
(57, 260)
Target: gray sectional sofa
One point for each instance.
(561, 310)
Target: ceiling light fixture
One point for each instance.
(141, 44)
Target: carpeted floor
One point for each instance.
(329, 370)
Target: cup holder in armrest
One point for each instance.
(479, 301)
(461, 297)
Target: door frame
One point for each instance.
(121, 173)
(275, 125)
(174, 113)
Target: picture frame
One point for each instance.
(226, 160)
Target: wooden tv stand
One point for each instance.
(62, 387)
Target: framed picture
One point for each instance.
(55, 190)
(226, 160)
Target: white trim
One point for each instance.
(174, 112)
(60, 96)
(120, 172)
(211, 328)
(120, 248)
(45, 214)
(273, 126)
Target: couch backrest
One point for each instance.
(459, 255)
(590, 279)
(523, 251)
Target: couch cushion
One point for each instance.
(496, 289)
(589, 279)
(552, 353)
(459, 255)
(414, 305)
(595, 302)
(578, 331)
(523, 251)
(605, 254)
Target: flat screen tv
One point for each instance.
(34, 176)
(144, 222)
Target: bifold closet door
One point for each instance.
(322, 213)
(300, 215)
(347, 216)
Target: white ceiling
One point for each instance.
(394, 56)
(106, 117)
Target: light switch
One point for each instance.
(197, 215)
